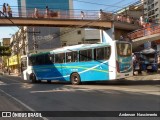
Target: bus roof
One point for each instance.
(77, 47)
(41, 53)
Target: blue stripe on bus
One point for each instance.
(63, 71)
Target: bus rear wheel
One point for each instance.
(75, 79)
(33, 78)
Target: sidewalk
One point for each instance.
(146, 76)
(11, 74)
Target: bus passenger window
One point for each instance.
(107, 51)
(75, 56)
(32, 60)
(86, 55)
(102, 53)
(47, 59)
(60, 58)
(71, 57)
(40, 60)
(51, 57)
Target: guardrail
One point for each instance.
(71, 14)
(149, 30)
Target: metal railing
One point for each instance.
(71, 14)
(149, 30)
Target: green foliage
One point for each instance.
(5, 51)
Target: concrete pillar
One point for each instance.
(107, 35)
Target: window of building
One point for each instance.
(79, 32)
(156, 9)
(85, 55)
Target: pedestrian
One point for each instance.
(47, 12)
(4, 9)
(82, 14)
(36, 14)
(134, 62)
(141, 20)
(9, 12)
(121, 38)
(100, 14)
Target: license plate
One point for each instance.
(137, 68)
(149, 67)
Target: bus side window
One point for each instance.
(107, 51)
(60, 58)
(40, 60)
(102, 53)
(72, 56)
(86, 55)
(99, 53)
(32, 61)
(51, 57)
(75, 56)
(69, 57)
(47, 59)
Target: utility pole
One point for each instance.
(17, 46)
(34, 41)
(23, 43)
(35, 45)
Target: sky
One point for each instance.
(106, 5)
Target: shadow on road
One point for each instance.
(113, 82)
(109, 82)
(126, 82)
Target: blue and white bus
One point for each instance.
(80, 63)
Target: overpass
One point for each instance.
(140, 36)
(17, 21)
(98, 24)
(67, 18)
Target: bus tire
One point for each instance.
(33, 78)
(75, 79)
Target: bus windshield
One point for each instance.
(124, 49)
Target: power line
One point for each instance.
(98, 4)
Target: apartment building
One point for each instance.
(152, 9)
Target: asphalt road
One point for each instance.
(126, 95)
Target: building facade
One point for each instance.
(152, 9)
(79, 36)
(42, 38)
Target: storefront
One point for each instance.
(13, 63)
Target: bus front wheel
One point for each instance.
(33, 78)
(75, 79)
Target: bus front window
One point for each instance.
(124, 49)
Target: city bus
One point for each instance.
(80, 63)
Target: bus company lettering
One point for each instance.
(15, 114)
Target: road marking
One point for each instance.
(23, 104)
(155, 91)
(2, 83)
